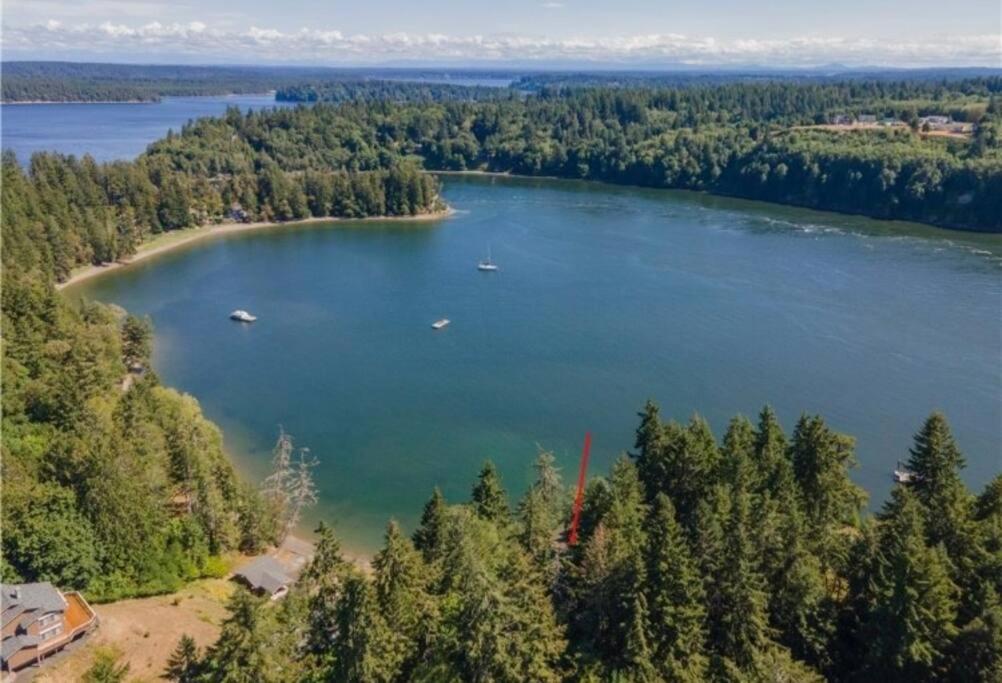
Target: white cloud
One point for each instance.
(199, 40)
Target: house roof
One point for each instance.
(265, 573)
(40, 598)
(14, 644)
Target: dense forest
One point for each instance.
(112, 483)
(361, 91)
(62, 212)
(742, 560)
(754, 141)
(89, 82)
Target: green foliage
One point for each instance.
(184, 663)
(741, 594)
(428, 535)
(489, 498)
(239, 656)
(106, 668)
(911, 623)
(116, 492)
(675, 598)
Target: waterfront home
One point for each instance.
(867, 118)
(39, 620)
(265, 576)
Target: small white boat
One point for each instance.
(489, 264)
(439, 324)
(242, 316)
(903, 475)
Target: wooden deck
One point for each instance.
(79, 614)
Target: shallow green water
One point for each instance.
(606, 296)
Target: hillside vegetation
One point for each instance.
(742, 560)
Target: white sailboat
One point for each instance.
(489, 264)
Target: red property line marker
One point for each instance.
(572, 537)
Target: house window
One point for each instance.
(51, 633)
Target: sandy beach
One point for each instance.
(177, 238)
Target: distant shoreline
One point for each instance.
(191, 235)
(28, 102)
(157, 100)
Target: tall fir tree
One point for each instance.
(400, 578)
(184, 663)
(363, 650)
(675, 598)
(428, 535)
(238, 656)
(489, 498)
(936, 463)
(914, 606)
(830, 500)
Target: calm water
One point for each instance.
(606, 296)
(108, 131)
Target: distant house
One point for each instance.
(890, 121)
(841, 120)
(265, 576)
(39, 620)
(934, 121)
(237, 213)
(867, 118)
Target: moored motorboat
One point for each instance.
(242, 316)
(439, 324)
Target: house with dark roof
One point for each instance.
(38, 620)
(265, 576)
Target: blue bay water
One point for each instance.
(606, 296)
(109, 132)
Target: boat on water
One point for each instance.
(903, 475)
(439, 324)
(489, 264)
(242, 316)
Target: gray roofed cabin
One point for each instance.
(265, 576)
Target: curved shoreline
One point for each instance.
(180, 238)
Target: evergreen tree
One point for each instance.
(675, 598)
(540, 513)
(649, 445)
(936, 463)
(821, 461)
(183, 665)
(489, 498)
(428, 535)
(691, 462)
(738, 620)
(977, 650)
(363, 649)
(738, 454)
(912, 620)
(400, 583)
(238, 656)
(322, 581)
(770, 449)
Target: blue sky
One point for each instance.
(543, 32)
